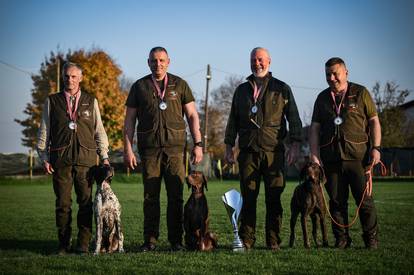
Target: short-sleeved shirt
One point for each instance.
(350, 139)
(160, 128)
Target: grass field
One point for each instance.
(28, 237)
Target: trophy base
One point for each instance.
(239, 249)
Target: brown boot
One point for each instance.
(370, 240)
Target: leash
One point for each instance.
(367, 191)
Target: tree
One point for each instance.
(218, 113)
(393, 121)
(100, 78)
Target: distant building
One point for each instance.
(408, 109)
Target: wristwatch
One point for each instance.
(199, 144)
(378, 148)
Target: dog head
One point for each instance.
(197, 181)
(312, 174)
(102, 173)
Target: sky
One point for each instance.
(374, 37)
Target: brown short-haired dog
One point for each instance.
(307, 199)
(197, 235)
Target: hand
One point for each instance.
(229, 154)
(315, 159)
(106, 162)
(293, 153)
(375, 156)
(48, 168)
(130, 160)
(197, 155)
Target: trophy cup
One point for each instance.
(233, 203)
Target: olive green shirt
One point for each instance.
(349, 140)
(160, 128)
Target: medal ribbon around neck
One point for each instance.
(72, 111)
(338, 107)
(256, 91)
(157, 87)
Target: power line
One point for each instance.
(16, 68)
(193, 73)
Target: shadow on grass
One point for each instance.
(42, 247)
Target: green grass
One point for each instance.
(28, 237)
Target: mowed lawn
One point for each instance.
(28, 238)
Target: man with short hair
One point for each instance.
(70, 136)
(345, 136)
(258, 115)
(158, 102)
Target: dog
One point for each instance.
(107, 212)
(307, 199)
(196, 216)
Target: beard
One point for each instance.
(259, 72)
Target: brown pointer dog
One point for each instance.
(307, 199)
(197, 236)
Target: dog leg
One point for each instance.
(98, 235)
(315, 222)
(293, 219)
(305, 229)
(119, 231)
(324, 231)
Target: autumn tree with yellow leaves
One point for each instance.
(100, 78)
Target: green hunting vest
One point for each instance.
(350, 140)
(69, 147)
(160, 128)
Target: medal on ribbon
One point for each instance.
(256, 93)
(161, 94)
(338, 119)
(71, 108)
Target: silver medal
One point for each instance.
(72, 125)
(254, 109)
(163, 105)
(338, 120)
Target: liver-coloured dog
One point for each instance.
(308, 201)
(196, 219)
(107, 212)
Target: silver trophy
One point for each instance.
(233, 203)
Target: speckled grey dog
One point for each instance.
(107, 212)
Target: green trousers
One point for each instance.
(255, 166)
(170, 167)
(63, 179)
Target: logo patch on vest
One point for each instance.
(172, 94)
(86, 114)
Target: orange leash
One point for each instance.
(367, 191)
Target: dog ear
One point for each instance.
(188, 182)
(90, 176)
(303, 173)
(322, 178)
(205, 182)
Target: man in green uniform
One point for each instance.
(258, 116)
(70, 136)
(158, 102)
(345, 136)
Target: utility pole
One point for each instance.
(208, 77)
(58, 74)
